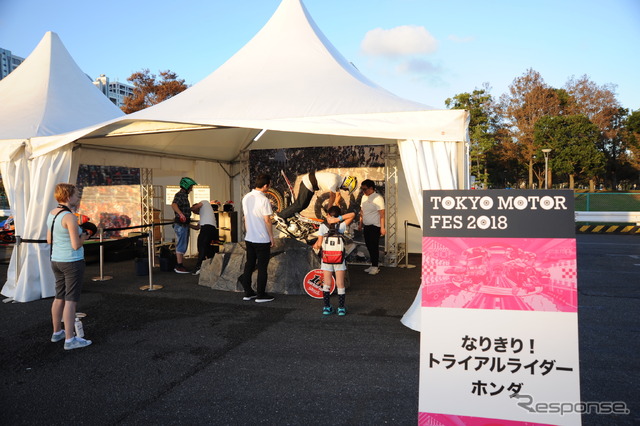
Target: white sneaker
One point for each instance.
(56, 337)
(75, 343)
(368, 269)
(374, 270)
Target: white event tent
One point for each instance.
(47, 94)
(290, 81)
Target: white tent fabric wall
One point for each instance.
(216, 177)
(16, 179)
(427, 165)
(29, 276)
(10, 148)
(15, 175)
(47, 94)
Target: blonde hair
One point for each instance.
(64, 192)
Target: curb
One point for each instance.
(608, 229)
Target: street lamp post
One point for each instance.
(546, 152)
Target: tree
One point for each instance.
(631, 136)
(147, 91)
(528, 100)
(573, 139)
(482, 127)
(599, 104)
(633, 122)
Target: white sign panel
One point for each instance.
(170, 192)
(201, 192)
(499, 331)
(519, 366)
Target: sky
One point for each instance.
(422, 50)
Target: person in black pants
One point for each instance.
(208, 232)
(257, 212)
(372, 220)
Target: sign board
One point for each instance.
(170, 192)
(198, 193)
(201, 192)
(499, 331)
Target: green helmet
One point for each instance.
(186, 183)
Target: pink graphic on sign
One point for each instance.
(429, 419)
(521, 274)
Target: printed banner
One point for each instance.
(499, 332)
(504, 213)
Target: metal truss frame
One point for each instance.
(146, 196)
(394, 251)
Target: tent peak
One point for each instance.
(289, 69)
(49, 94)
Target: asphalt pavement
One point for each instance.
(187, 354)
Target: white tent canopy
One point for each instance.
(47, 94)
(290, 81)
(288, 78)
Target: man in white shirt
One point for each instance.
(319, 181)
(258, 239)
(372, 220)
(208, 232)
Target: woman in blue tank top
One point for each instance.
(67, 262)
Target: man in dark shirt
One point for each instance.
(182, 209)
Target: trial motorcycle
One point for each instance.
(299, 227)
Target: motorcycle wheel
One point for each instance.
(276, 200)
(319, 205)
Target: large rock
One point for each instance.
(290, 261)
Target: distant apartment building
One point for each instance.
(8, 62)
(114, 90)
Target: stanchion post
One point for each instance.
(150, 254)
(102, 277)
(18, 244)
(153, 248)
(406, 247)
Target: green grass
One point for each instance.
(607, 201)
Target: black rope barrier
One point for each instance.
(100, 236)
(27, 240)
(136, 227)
